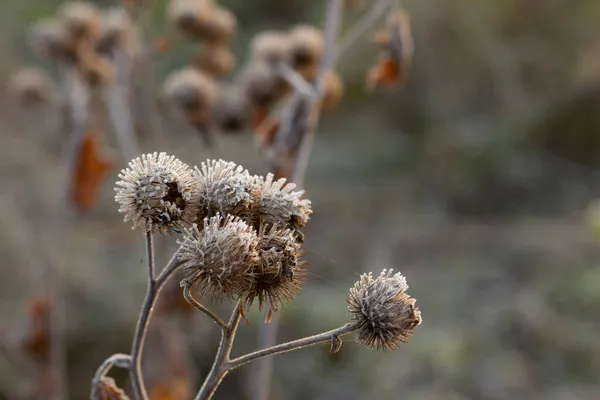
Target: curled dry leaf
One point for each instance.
(106, 389)
(397, 49)
(36, 332)
(336, 344)
(89, 172)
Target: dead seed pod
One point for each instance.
(271, 47)
(82, 20)
(117, 32)
(31, 87)
(397, 49)
(50, 38)
(215, 60)
(334, 90)
(203, 20)
(192, 92)
(232, 112)
(263, 87)
(306, 48)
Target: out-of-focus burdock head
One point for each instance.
(232, 112)
(192, 93)
(223, 187)
(215, 59)
(271, 47)
(158, 193)
(381, 311)
(50, 38)
(218, 256)
(306, 48)
(82, 20)
(117, 33)
(31, 87)
(203, 20)
(263, 88)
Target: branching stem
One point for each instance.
(187, 293)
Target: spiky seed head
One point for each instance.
(30, 86)
(218, 257)
(263, 86)
(50, 38)
(191, 92)
(381, 311)
(272, 47)
(232, 112)
(82, 19)
(117, 32)
(306, 47)
(203, 20)
(157, 192)
(216, 60)
(220, 28)
(275, 202)
(223, 187)
(277, 275)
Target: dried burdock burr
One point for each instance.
(117, 33)
(218, 256)
(216, 60)
(263, 87)
(82, 20)
(50, 38)
(397, 49)
(193, 94)
(275, 202)
(203, 20)
(271, 47)
(277, 275)
(222, 187)
(31, 87)
(232, 112)
(157, 192)
(383, 315)
(306, 49)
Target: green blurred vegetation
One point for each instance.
(472, 181)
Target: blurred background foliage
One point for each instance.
(473, 181)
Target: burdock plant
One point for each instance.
(241, 239)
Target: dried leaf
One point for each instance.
(35, 338)
(334, 90)
(176, 388)
(162, 45)
(90, 170)
(266, 131)
(336, 344)
(397, 49)
(106, 389)
(269, 317)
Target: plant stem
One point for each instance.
(220, 366)
(116, 360)
(154, 288)
(187, 293)
(150, 255)
(289, 346)
(333, 18)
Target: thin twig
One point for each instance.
(154, 288)
(116, 360)
(220, 365)
(289, 346)
(296, 80)
(376, 11)
(187, 293)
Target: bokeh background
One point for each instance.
(473, 180)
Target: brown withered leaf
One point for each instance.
(106, 389)
(35, 339)
(336, 344)
(176, 388)
(162, 45)
(334, 90)
(266, 131)
(90, 170)
(397, 47)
